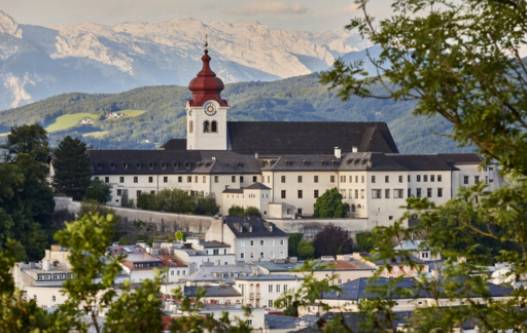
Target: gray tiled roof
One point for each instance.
(276, 138)
(152, 162)
(149, 162)
(270, 277)
(257, 186)
(252, 226)
(405, 288)
(212, 291)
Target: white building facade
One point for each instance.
(281, 168)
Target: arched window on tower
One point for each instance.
(190, 126)
(214, 126)
(206, 126)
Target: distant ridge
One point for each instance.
(149, 116)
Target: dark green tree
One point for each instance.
(460, 60)
(365, 242)
(330, 205)
(332, 240)
(72, 168)
(292, 244)
(98, 191)
(29, 139)
(25, 195)
(305, 249)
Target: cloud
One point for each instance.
(272, 7)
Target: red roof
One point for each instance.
(206, 86)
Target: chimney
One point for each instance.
(354, 149)
(338, 152)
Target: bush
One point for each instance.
(330, 205)
(331, 241)
(236, 211)
(252, 211)
(305, 249)
(365, 242)
(177, 201)
(98, 191)
(240, 211)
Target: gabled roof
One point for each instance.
(249, 137)
(256, 186)
(252, 226)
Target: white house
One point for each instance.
(43, 281)
(263, 290)
(250, 238)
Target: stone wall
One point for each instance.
(160, 221)
(310, 227)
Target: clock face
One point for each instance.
(210, 109)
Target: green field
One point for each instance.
(68, 121)
(97, 134)
(129, 113)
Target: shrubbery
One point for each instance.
(240, 211)
(177, 201)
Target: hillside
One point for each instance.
(37, 62)
(147, 117)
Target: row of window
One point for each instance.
(418, 178)
(300, 179)
(466, 180)
(181, 178)
(316, 194)
(399, 193)
(262, 242)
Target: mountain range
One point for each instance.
(38, 62)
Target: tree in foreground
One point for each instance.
(330, 205)
(460, 60)
(332, 240)
(26, 199)
(72, 168)
(92, 291)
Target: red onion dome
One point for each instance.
(206, 86)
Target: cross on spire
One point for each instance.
(206, 45)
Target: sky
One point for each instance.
(310, 15)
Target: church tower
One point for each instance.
(206, 111)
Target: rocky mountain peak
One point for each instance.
(9, 26)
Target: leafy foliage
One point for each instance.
(459, 60)
(177, 201)
(26, 200)
(365, 242)
(332, 240)
(306, 249)
(98, 191)
(330, 205)
(240, 211)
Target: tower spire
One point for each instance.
(206, 44)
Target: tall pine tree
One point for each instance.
(72, 168)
